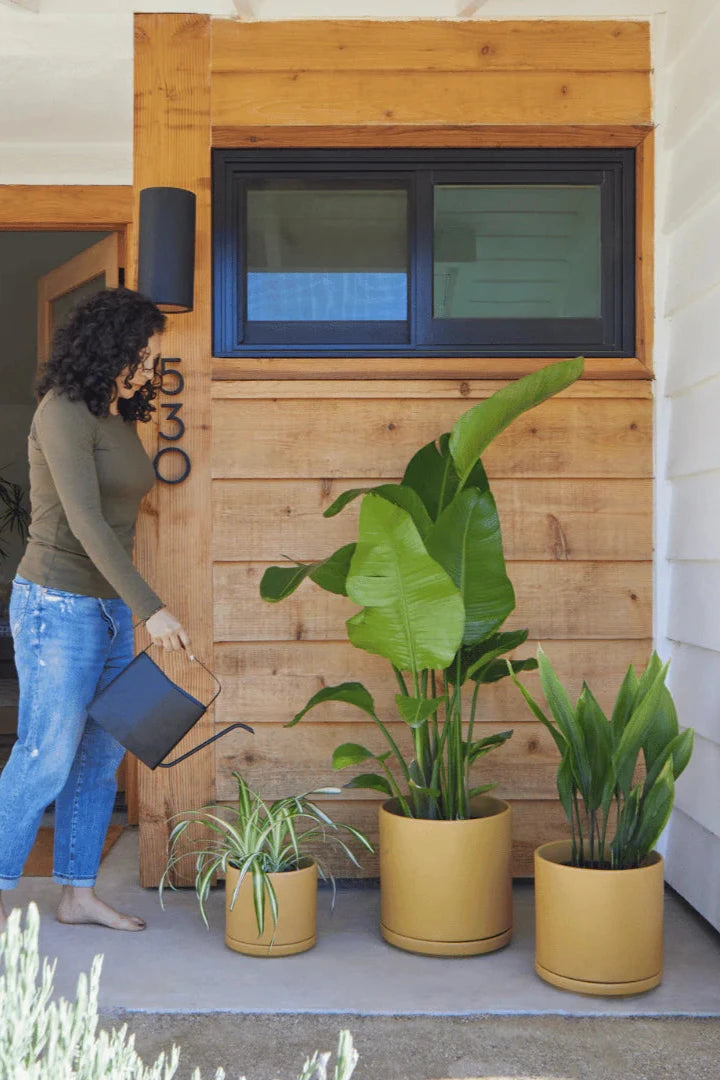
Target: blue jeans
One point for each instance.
(67, 647)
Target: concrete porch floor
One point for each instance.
(176, 965)
(413, 1017)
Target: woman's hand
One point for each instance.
(165, 630)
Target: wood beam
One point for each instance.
(172, 147)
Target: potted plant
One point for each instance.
(428, 572)
(14, 518)
(14, 515)
(267, 854)
(599, 895)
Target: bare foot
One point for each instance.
(81, 905)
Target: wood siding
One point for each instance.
(574, 490)
(573, 480)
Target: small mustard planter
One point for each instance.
(598, 931)
(295, 932)
(445, 886)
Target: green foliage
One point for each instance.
(14, 515)
(428, 573)
(257, 838)
(598, 771)
(46, 1038)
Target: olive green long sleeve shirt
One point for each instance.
(88, 475)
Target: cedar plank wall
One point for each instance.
(573, 480)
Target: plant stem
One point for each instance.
(581, 851)
(401, 682)
(461, 810)
(471, 725)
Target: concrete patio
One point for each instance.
(351, 970)
(412, 1017)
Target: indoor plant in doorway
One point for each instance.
(599, 896)
(268, 854)
(429, 573)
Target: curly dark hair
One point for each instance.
(103, 336)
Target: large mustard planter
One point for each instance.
(295, 932)
(598, 931)
(445, 886)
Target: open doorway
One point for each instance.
(43, 275)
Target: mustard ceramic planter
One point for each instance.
(445, 886)
(295, 932)
(598, 931)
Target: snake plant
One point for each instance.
(428, 572)
(601, 776)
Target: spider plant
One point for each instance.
(598, 773)
(428, 572)
(260, 839)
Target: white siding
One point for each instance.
(688, 430)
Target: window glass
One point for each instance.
(318, 252)
(516, 251)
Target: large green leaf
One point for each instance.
(597, 734)
(476, 657)
(624, 704)
(351, 693)
(371, 782)
(626, 826)
(331, 574)
(566, 785)
(432, 474)
(679, 750)
(654, 814)
(466, 541)
(682, 748)
(481, 747)
(565, 718)
(477, 428)
(560, 740)
(350, 754)
(636, 731)
(416, 711)
(498, 669)
(399, 494)
(413, 613)
(664, 729)
(279, 582)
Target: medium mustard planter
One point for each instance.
(296, 929)
(445, 886)
(598, 931)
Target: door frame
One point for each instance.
(102, 258)
(75, 208)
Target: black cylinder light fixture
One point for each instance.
(166, 247)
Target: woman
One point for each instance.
(76, 592)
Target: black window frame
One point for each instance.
(611, 335)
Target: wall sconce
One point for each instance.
(166, 247)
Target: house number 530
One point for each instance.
(172, 464)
